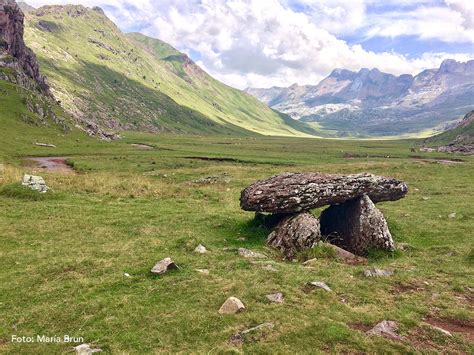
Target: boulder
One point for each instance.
(295, 234)
(295, 192)
(35, 183)
(356, 226)
(232, 306)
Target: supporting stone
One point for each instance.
(295, 234)
(356, 226)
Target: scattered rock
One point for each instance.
(293, 193)
(364, 226)
(276, 297)
(386, 328)
(344, 255)
(374, 272)
(241, 337)
(427, 150)
(246, 253)
(425, 198)
(452, 215)
(126, 274)
(35, 183)
(86, 349)
(163, 266)
(232, 306)
(45, 145)
(203, 271)
(201, 249)
(441, 330)
(213, 179)
(317, 284)
(270, 268)
(295, 234)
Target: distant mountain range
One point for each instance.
(373, 103)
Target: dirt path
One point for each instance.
(52, 164)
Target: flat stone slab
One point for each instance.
(296, 192)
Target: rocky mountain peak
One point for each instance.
(12, 45)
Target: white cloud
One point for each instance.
(280, 42)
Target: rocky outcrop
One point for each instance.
(295, 234)
(293, 193)
(13, 51)
(356, 226)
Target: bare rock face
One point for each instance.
(11, 42)
(356, 226)
(295, 192)
(295, 234)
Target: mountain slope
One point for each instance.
(462, 134)
(370, 102)
(131, 82)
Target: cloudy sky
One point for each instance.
(261, 43)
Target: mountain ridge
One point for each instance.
(107, 78)
(373, 99)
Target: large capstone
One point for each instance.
(295, 192)
(295, 234)
(356, 226)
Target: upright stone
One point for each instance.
(295, 234)
(356, 226)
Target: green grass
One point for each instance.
(63, 259)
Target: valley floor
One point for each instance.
(77, 261)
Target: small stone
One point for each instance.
(232, 306)
(276, 297)
(163, 266)
(441, 330)
(317, 284)
(310, 261)
(246, 253)
(452, 215)
(241, 337)
(201, 249)
(374, 272)
(86, 349)
(345, 256)
(35, 183)
(242, 239)
(126, 274)
(203, 271)
(386, 328)
(425, 198)
(270, 268)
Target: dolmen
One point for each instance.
(352, 221)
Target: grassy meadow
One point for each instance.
(65, 254)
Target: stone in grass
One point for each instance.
(341, 255)
(232, 306)
(452, 215)
(276, 297)
(203, 271)
(386, 328)
(251, 334)
(269, 267)
(86, 349)
(374, 272)
(163, 266)
(35, 183)
(246, 253)
(318, 284)
(201, 249)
